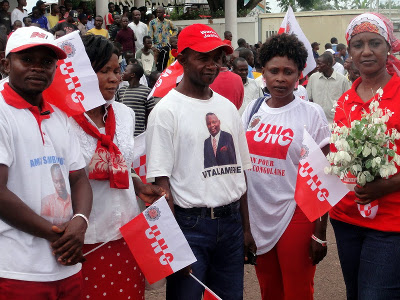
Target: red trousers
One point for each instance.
(66, 289)
(286, 271)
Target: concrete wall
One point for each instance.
(318, 26)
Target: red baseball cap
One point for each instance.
(201, 38)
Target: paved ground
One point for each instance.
(328, 279)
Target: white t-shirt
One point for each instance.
(338, 67)
(29, 156)
(16, 14)
(274, 136)
(140, 31)
(179, 146)
(147, 62)
(251, 92)
(301, 92)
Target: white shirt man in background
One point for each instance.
(139, 28)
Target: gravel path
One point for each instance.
(328, 278)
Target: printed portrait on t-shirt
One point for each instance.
(219, 149)
(57, 207)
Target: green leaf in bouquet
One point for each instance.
(391, 152)
(359, 150)
(368, 163)
(369, 177)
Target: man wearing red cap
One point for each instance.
(40, 250)
(208, 199)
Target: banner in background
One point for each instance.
(290, 25)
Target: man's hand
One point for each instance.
(150, 193)
(249, 244)
(69, 246)
(147, 192)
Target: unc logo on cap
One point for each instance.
(39, 35)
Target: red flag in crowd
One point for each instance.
(139, 160)
(157, 242)
(316, 192)
(290, 25)
(168, 80)
(75, 88)
(209, 295)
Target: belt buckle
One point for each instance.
(212, 214)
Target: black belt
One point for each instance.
(213, 212)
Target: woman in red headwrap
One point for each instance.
(106, 138)
(367, 221)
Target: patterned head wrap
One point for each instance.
(379, 24)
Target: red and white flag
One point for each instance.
(167, 81)
(157, 242)
(316, 192)
(139, 156)
(75, 88)
(290, 25)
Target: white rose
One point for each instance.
(366, 151)
(384, 171)
(344, 156)
(328, 170)
(361, 179)
(335, 170)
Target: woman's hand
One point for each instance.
(372, 191)
(377, 189)
(249, 244)
(317, 252)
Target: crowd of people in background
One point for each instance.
(203, 127)
(150, 40)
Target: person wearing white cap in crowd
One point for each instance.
(40, 252)
(197, 152)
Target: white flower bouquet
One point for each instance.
(366, 149)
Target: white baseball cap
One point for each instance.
(27, 37)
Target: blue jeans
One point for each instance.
(218, 247)
(370, 261)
